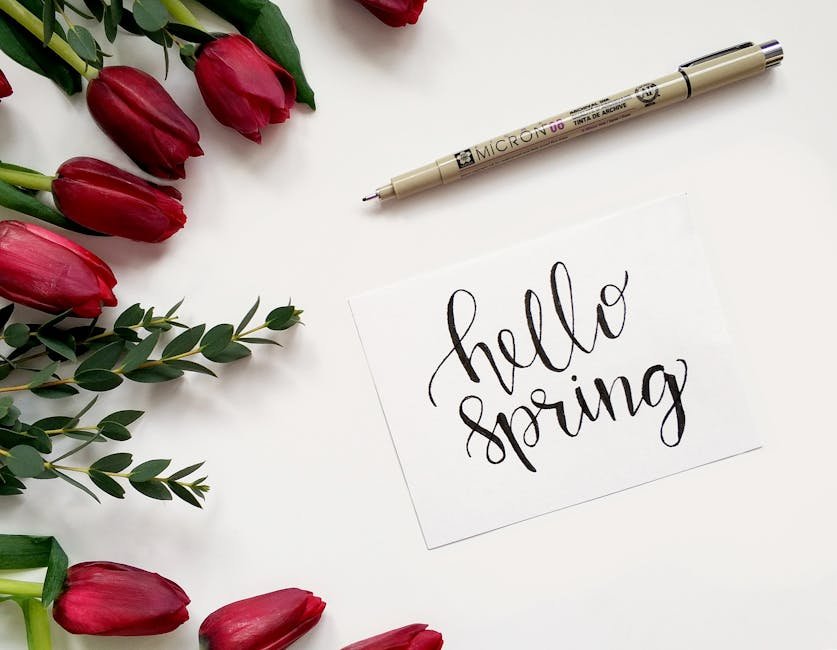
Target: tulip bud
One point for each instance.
(142, 118)
(110, 599)
(41, 269)
(268, 622)
(395, 13)
(411, 637)
(243, 87)
(99, 196)
(5, 86)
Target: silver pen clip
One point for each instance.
(715, 55)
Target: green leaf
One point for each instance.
(185, 471)
(6, 314)
(104, 358)
(83, 43)
(107, 485)
(76, 484)
(48, 18)
(184, 342)
(53, 423)
(30, 552)
(154, 374)
(43, 375)
(16, 334)
(130, 317)
(216, 339)
(247, 317)
(171, 312)
(233, 352)
(263, 23)
(188, 33)
(59, 342)
(150, 15)
(113, 463)
(18, 200)
(259, 341)
(55, 392)
(140, 353)
(96, 7)
(125, 418)
(279, 318)
(149, 470)
(153, 489)
(98, 380)
(183, 493)
(6, 403)
(32, 437)
(115, 431)
(24, 461)
(29, 52)
(190, 366)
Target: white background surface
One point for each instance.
(306, 488)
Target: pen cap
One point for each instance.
(733, 64)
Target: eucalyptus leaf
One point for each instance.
(190, 366)
(189, 33)
(83, 44)
(216, 339)
(16, 335)
(57, 391)
(140, 353)
(76, 484)
(59, 342)
(153, 489)
(184, 494)
(185, 471)
(98, 380)
(184, 342)
(104, 358)
(43, 375)
(149, 469)
(24, 461)
(130, 317)
(6, 314)
(107, 485)
(115, 431)
(154, 374)
(113, 463)
(233, 352)
(150, 15)
(125, 418)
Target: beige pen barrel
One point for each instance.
(692, 78)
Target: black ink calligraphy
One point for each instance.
(520, 430)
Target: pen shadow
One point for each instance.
(634, 132)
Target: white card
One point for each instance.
(554, 372)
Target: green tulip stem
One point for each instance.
(181, 14)
(20, 588)
(30, 180)
(37, 624)
(34, 25)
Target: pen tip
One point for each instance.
(370, 197)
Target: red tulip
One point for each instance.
(411, 637)
(142, 118)
(104, 198)
(41, 269)
(243, 87)
(395, 13)
(269, 622)
(110, 599)
(5, 86)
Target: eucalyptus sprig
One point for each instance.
(25, 450)
(122, 353)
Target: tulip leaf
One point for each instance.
(263, 23)
(30, 52)
(189, 33)
(18, 200)
(31, 552)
